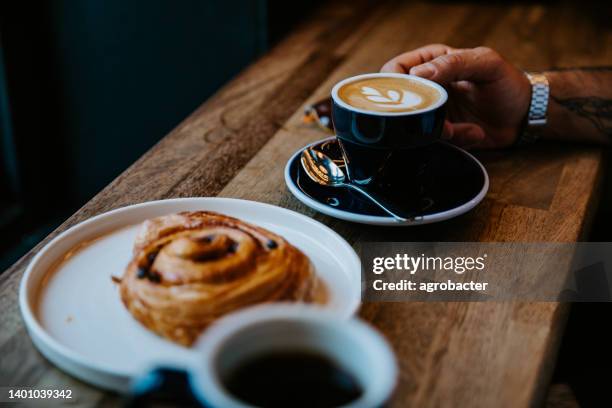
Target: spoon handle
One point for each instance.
(389, 208)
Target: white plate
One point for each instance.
(75, 315)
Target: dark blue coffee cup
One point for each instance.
(375, 143)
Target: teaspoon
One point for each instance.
(322, 170)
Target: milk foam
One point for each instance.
(388, 94)
(396, 98)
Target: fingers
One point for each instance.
(476, 65)
(464, 134)
(445, 64)
(403, 62)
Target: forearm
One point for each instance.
(580, 105)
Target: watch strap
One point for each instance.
(536, 117)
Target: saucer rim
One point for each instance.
(384, 220)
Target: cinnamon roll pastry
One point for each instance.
(190, 268)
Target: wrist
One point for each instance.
(536, 118)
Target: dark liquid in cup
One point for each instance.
(292, 379)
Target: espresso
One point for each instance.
(388, 94)
(292, 379)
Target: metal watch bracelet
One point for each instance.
(536, 117)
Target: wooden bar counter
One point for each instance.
(237, 143)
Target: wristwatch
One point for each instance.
(536, 117)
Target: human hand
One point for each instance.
(488, 96)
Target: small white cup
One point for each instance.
(351, 344)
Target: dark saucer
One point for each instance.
(440, 181)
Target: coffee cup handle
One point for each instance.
(163, 385)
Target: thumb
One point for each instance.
(480, 64)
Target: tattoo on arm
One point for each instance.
(595, 109)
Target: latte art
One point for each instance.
(396, 99)
(384, 94)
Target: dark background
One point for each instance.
(87, 86)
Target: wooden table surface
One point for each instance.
(236, 145)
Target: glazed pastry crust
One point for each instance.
(191, 268)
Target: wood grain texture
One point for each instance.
(237, 143)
